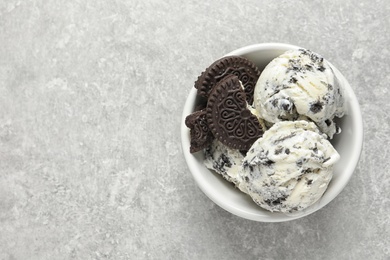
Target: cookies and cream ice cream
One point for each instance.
(224, 160)
(300, 83)
(289, 168)
(276, 151)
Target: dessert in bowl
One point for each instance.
(242, 185)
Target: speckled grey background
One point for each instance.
(91, 93)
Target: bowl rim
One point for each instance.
(193, 163)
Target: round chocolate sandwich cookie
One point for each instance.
(228, 116)
(200, 134)
(246, 71)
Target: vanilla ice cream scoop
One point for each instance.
(300, 83)
(289, 168)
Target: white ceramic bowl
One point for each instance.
(348, 144)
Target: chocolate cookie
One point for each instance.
(228, 117)
(244, 69)
(200, 134)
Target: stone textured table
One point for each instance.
(91, 94)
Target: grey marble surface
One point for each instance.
(91, 93)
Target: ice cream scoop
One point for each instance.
(296, 84)
(289, 168)
(224, 160)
